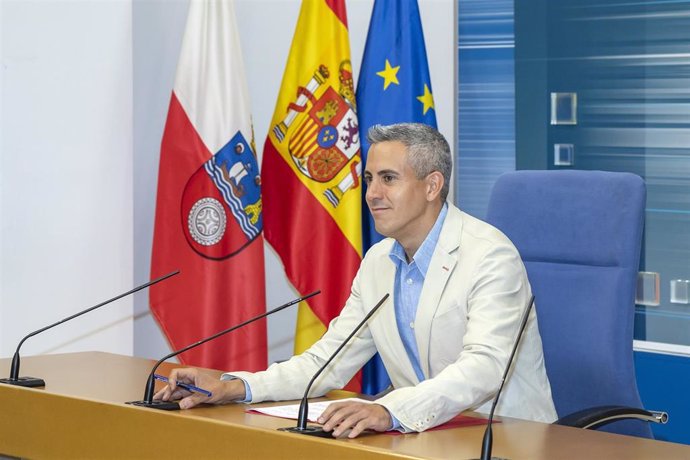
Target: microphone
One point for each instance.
(488, 435)
(148, 400)
(14, 378)
(302, 427)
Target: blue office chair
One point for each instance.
(580, 234)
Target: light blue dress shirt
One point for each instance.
(409, 279)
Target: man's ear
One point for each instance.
(434, 184)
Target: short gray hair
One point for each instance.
(428, 150)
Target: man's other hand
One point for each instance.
(355, 416)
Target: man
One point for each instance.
(458, 290)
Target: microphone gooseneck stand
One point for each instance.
(148, 400)
(14, 378)
(302, 427)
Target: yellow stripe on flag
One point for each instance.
(309, 328)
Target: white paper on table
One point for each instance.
(292, 410)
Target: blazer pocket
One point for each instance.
(445, 342)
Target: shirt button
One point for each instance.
(409, 280)
(411, 325)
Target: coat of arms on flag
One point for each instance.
(221, 203)
(325, 140)
(209, 216)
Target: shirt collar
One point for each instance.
(422, 257)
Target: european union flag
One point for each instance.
(393, 87)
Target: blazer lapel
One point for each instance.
(442, 265)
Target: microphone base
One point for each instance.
(309, 431)
(156, 404)
(492, 458)
(31, 382)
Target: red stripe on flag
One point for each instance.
(338, 7)
(288, 202)
(208, 295)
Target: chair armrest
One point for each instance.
(595, 417)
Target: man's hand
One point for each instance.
(222, 391)
(341, 417)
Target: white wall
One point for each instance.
(66, 174)
(85, 91)
(266, 31)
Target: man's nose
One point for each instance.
(372, 190)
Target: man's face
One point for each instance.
(396, 198)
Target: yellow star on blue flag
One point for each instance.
(427, 99)
(389, 75)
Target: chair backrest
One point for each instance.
(580, 234)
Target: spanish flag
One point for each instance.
(312, 167)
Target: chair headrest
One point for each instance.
(571, 216)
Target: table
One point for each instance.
(81, 414)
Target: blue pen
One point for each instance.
(186, 386)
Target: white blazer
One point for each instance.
(473, 297)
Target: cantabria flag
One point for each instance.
(208, 210)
